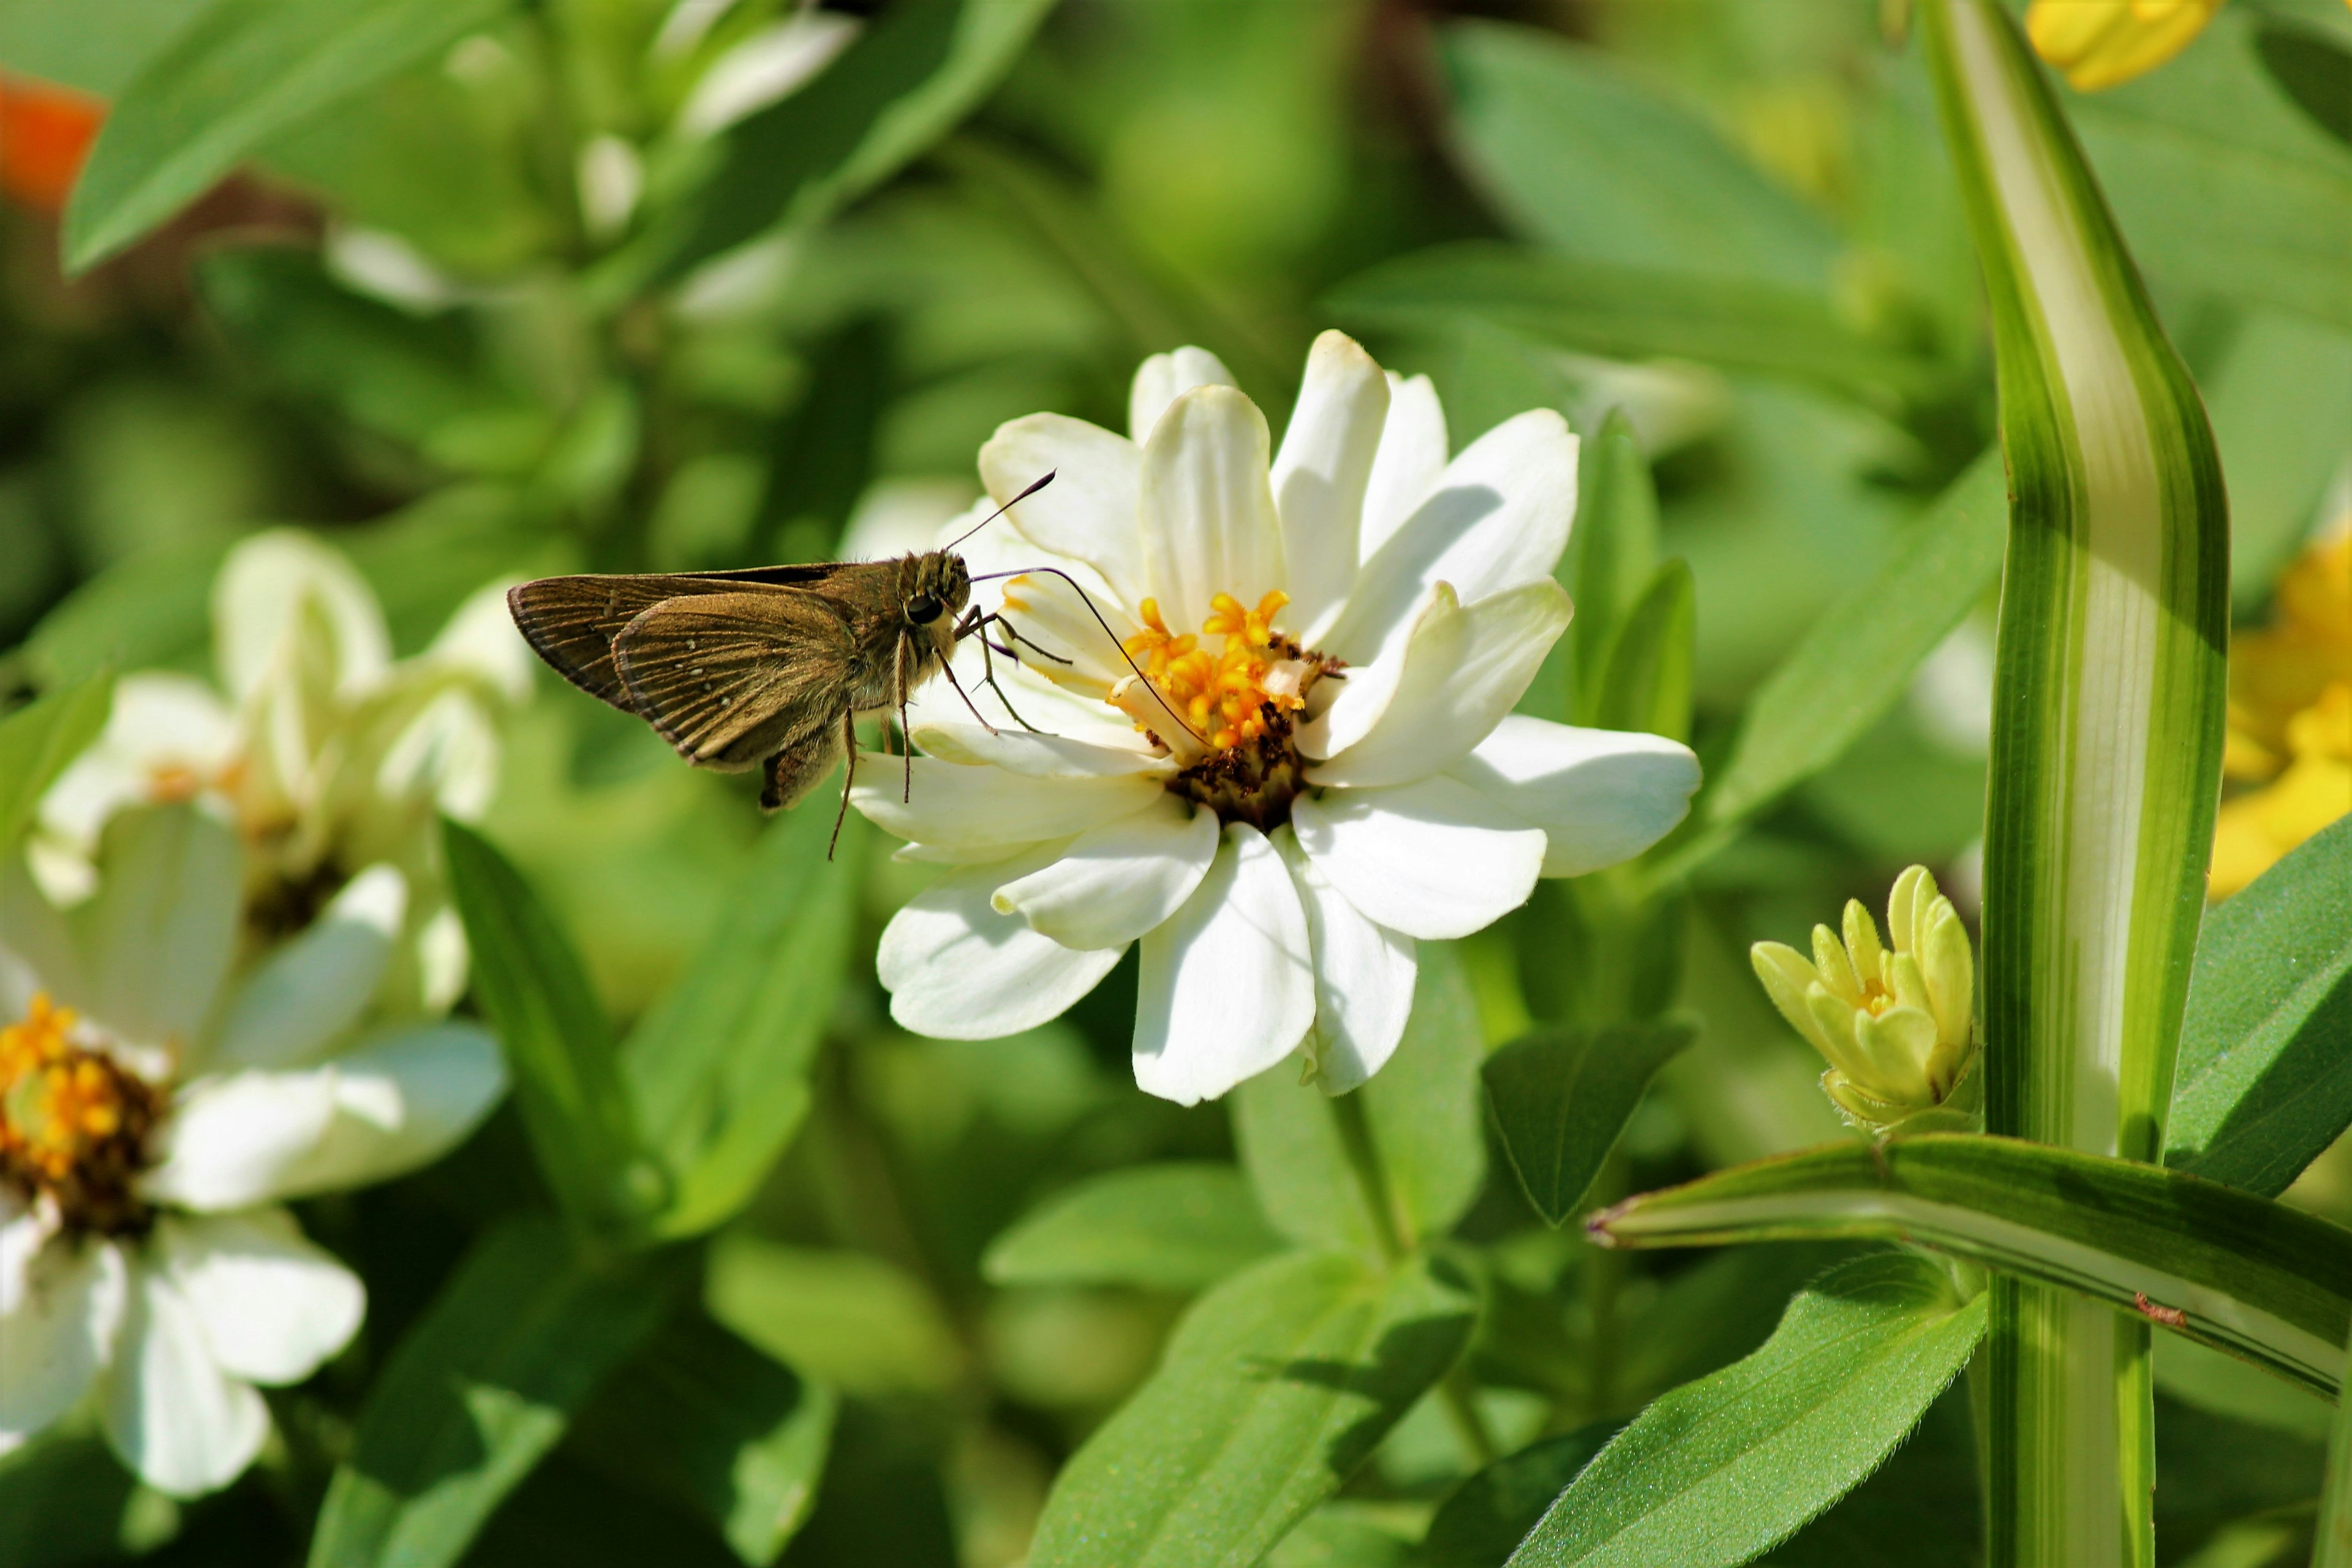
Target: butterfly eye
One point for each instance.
(923, 609)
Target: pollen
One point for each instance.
(73, 1122)
(1227, 698)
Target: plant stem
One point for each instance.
(1392, 1229)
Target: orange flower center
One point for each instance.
(1227, 696)
(74, 1122)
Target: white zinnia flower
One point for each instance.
(326, 753)
(1344, 629)
(154, 1119)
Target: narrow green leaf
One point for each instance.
(1717, 1471)
(1163, 1228)
(241, 72)
(1919, 1509)
(1624, 311)
(1859, 658)
(530, 981)
(2242, 1273)
(65, 1499)
(1277, 1386)
(154, 608)
(1576, 153)
(1488, 1515)
(918, 69)
(1420, 1114)
(718, 1070)
(1562, 1096)
(1614, 548)
(2313, 68)
(2109, 685)
(2265, 1077)
(702, 1420)
(1647, 686)
(92, 46)
(38, 739)
(2332, 1543)
(478, 1392)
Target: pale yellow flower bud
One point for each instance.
(1895, 1025)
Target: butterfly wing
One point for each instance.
(571, 622)
(729, 678)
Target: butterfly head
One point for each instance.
(936, 587)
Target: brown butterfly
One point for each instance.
(768, 667)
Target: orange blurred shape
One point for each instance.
(44, 132)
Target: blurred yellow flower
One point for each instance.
(2290, 719)
(2103, 43)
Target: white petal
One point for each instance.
(157, 939)
(1073, 619)
(23, 1230)
(447, 753)
(1498, 518)
(1227, 987)
(165, 735)
(1457, 676)
(1411, 455)
(976, 855)
(965, 806)
(230, 1138)
(958, 969)
(400, 1101)
(1363, 978)
(1088, 512)
(58, 1334)
(1040, 756)
(1209, 522)
(1116, 881)
(1433, 860)
(480, 640)
(1162, 379)
(1600, 795)
(267, 585)
(271, 1305)
(310, 990)
(184, 1424)
(1321, 475)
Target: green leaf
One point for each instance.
(2332, 1543)
(1651, 309)
(2280, 400)
(1489, 1514)
(2241, 1273)
(1577, 154)
(1647, 686)
(1420, 1117)
(863, 1325)
(92, 46)
(702, 1420)
(718, 1070)
(2109, 684)
(1163, 1228)
(65, 1499)
(1919, 1509)
(2227, 184)
(478, 1391)
(152, 608)
(243, 72)
(917, 70)
(528, 980)
(1858, 659)
(2265, 1075)
(1718, 1470)
(1562, 1096)
(1276, 1387)
(2314, 68)
(38, 739)
(1615, 551)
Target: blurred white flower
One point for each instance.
(325, 753)
(1311, 762)
(154, 1119)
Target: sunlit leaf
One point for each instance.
(1163, 1226)
(1562, 1096)
(2242, 1273)
(1717, 1471)
(243, 72)
(2264, 1083)
(1277, 1386)
(1647, 685)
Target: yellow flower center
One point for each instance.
(74, 1122)
(1224, 695)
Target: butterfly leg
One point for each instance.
(948, 670)
(848, 778)
(987, 663)
(906, 736)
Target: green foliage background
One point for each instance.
(744, 1274)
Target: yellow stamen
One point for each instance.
(62, 1106)
(1223, 695)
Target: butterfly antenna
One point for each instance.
(1128, 658)
(1008, 506)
